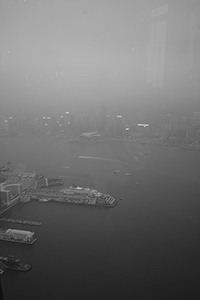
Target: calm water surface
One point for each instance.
(146, 247)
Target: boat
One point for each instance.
(1, 270)
(44, 200)
(116, 171)
(128, 174)
(13, 263)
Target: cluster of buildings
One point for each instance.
(173, 128)
(168, 71)
(13, 187)
(182, 128)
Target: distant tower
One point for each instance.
(196, 115)
(67, 117)
(72, 122)
(183, 122)
(140, 117)
(102, 119)
(110, 126)
(173, 60)
(119, 129)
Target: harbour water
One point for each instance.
(146, 247)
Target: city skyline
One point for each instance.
(132, 58)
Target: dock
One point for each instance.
(24, 222)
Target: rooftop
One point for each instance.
(90, 134)
(17, 179)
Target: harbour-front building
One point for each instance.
(11, 189)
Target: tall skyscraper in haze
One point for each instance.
(119, 126)
(173, 51)
(102, 118)
(156, 49)
(72, 122)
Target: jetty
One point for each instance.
(24, 222)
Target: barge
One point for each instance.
(17, 236)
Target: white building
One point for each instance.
(89, 136)
(11, 188)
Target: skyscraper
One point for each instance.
(156, 49)
(72, 122)
(102, 118)
(119, 126)
(173, 54)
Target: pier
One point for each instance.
(24, 222)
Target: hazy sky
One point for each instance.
(68, 53)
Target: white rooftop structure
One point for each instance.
(89, 134)
(21, 232)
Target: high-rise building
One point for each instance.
(72, 122)
(193, 121)
(196, 115)
(173, 56)
(102, 119)
(110, 126)
(86, 124)
(198, 136)
(190, 133)
(119, 126)
(164, 131)
(67, 119)
(140, 117)
(174, 124)
(184, 122)
(156, 49)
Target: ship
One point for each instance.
(13, 263)
(74, 195)
(116, 171)
(18, 236)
